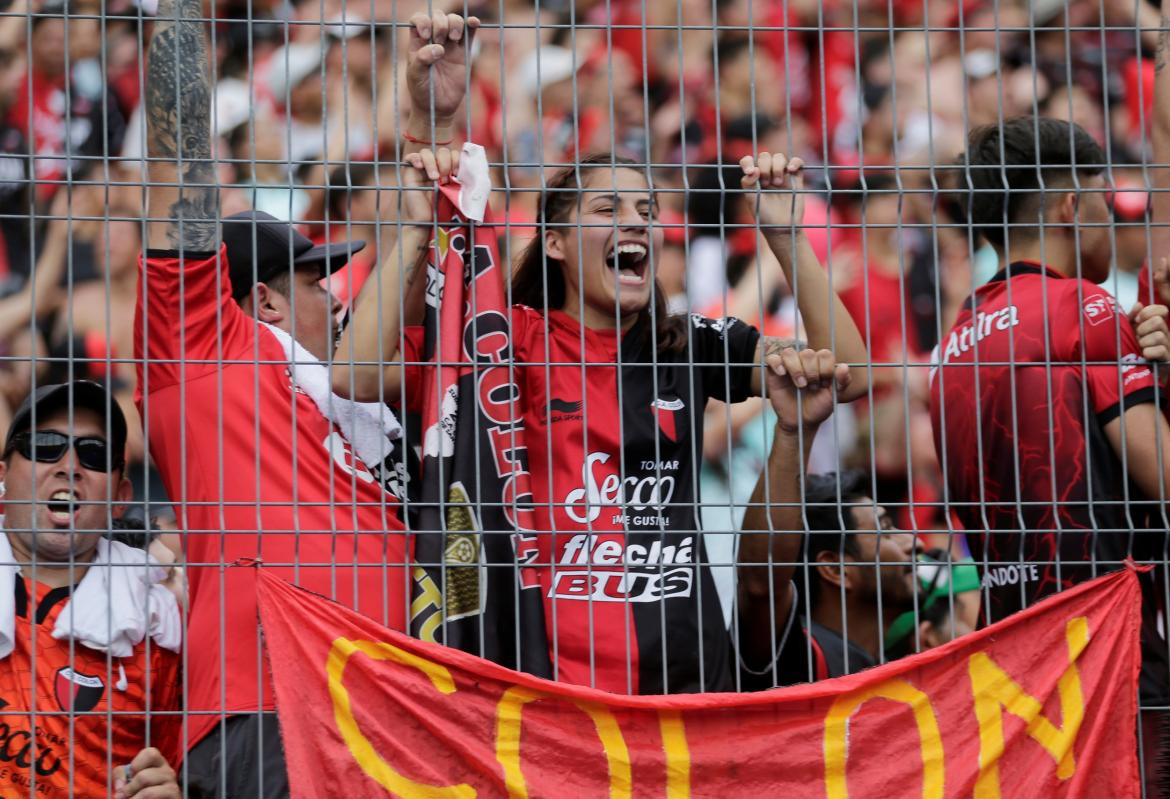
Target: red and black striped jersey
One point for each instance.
(614, 448)
(1034, 368)
(614, 435)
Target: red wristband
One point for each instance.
(414, 140)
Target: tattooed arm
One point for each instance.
(184, 201)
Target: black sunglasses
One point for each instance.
(49, 446)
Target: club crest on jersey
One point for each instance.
(665, 414)
(77, 692)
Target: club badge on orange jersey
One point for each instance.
(77, 692)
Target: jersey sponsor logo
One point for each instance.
(1130, 361)
(559, 410)
(344, 457)
(964, 338)
(77, 692)
(610, 586)
(391, 474)
(292, 384)
(1134, 367)
(1098, 310)
(583, 505)
(997, 576)
(587, 549)
(624, 572)
(16, 747)
(666, 415)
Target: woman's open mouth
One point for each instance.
(629, 260)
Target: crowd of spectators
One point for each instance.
(309, 126)
(876, 99)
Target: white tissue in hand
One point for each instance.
(474, 181)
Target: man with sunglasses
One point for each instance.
(84, 620)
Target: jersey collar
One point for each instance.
(1017, 268)
(51, 599)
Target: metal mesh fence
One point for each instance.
(829, 332)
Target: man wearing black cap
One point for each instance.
(70, 625)
(276, 277)
(267, 467)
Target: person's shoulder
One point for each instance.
(707, 334)
(719, 325)
(1094, 303)
(839, 651)
(522, 318)
(524, 312)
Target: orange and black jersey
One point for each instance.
(70, 714)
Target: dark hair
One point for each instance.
(729, 46)
(747, 126)
(869, 184)
(342, 182)
(1009, 165)
(535, 285)
(828, 499)
(54, 9)
(281, 283)
(133, 530)
(714, 199)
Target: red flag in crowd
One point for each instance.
(471, 589)
(1040, 704)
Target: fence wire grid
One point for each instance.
(837, 331)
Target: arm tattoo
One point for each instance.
(774, 346)
(1163, 45)
(416, 260)
(178, 119)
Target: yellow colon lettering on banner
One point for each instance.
(363, 751)
(995, 691)
(508, 722)
(678, 754)
(929, 738)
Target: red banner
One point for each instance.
(1042, 704)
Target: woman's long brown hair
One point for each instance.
(538, 287)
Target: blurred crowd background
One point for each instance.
(875, 96)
